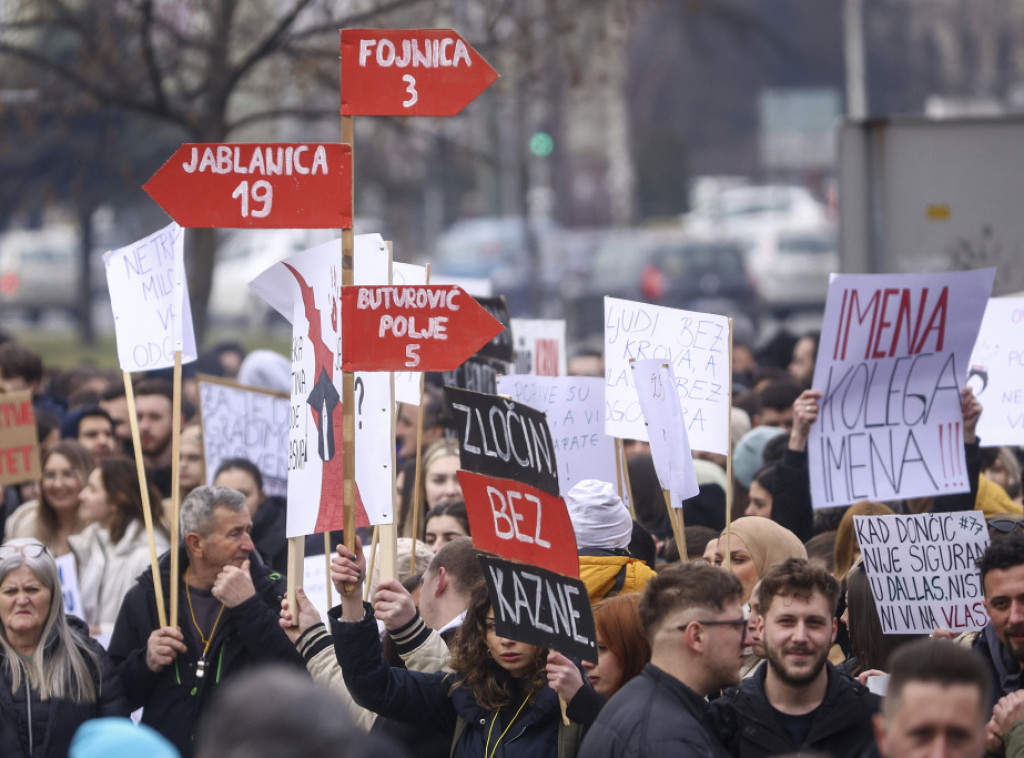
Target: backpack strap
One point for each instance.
(620, 582)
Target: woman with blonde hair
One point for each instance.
(847, 549)
(54, 676)
(438, 482)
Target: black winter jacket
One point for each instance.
(62, 717)
(431, 702)
(750, 728)
(653, 715)
(174, 698)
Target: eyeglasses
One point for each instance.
(29, 550)
(1004, 525)
(740, 623)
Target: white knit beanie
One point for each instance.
(599, 517)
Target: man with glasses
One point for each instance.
(693, 618)
(797, 702)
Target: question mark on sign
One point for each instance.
(361, 389)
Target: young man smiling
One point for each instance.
(797, 702)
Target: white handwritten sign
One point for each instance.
(696, 345)
(575, 409)
(670, 449)
(539, 346)
(245, 422)
(152, 313)
(893, 356)
(995, 370)
(922, 570)
(407, 383)
(67, 571)
(305, 288)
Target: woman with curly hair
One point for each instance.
(493, 702)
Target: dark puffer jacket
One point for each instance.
(57, 719)
(174, 698)
(750, 727)
(430, 701)
(653, 715)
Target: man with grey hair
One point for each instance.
(228, 600)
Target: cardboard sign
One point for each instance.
(424, 327)
(995, 369)
(541, 608)
(520, 522)
(245, 422)
(409, 72)
(19, 445)
(152, 313)
(503, 438)
(67, 571)
(500, 348)
(306, 287)
(696, 345)
(477, 375)
(893, 355)
(407, 383)
(922, 570)
(276, 185)
(539, 346)
(670, 449)
(574, 406)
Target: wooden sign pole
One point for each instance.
(147, 509)
(728, 470)
(418, 475)
(348, 394)
(175, 481)
(625, 491)
(296, 555)
(388, 533)
(327, 560)
(675, 518)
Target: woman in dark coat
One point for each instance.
(54, 676)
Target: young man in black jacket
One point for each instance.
(694, 621)
(796, 701)
(229, 604)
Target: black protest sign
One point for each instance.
(476, 374)
(501, 347)
(540, 607)
(502, 438)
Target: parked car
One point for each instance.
(39, 270)
(792, 269)
(496, 248)
(666, 268)
(748, 212)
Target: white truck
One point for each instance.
(919, 194)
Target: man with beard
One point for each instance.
(153, 408)
(798, 702)
(1001, 642)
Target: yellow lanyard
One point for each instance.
(201, 665)
(502, 735)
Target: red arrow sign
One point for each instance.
(260, 186)
(409, 72)
(424, 328)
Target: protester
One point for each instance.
(1000, 466)
(191, 464)
(115, 403)
(94, 429)
(153, 409)
(847, 550)
(754, 545)
(870, 647)
(693, 619)
(603, 531)
(798, 702)
(269, 516)
(275, 712)
(54, 516)
(444, 523)
(230, 603)
(935, 705)
(54, 676)
(776, 404)
(762, 490)
(440, 463)
(805, 354)
(114, 548)
(433, 424)
(490, 677)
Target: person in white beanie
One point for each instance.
(603, 529)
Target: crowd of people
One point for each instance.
(760, 639)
